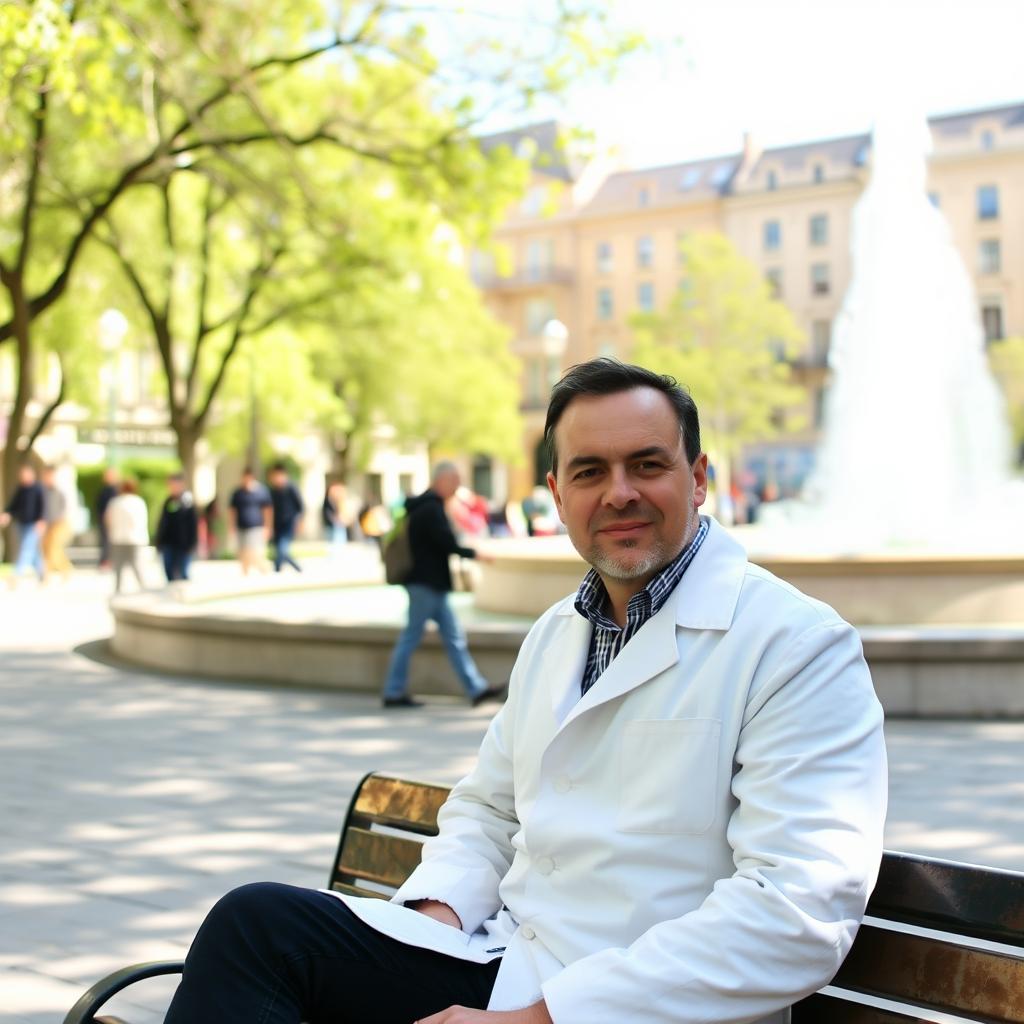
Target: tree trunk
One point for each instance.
(187, 438)
(12, 453)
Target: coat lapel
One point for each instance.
(705, 598)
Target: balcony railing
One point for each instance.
(528, 277)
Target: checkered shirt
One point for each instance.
(608, 638)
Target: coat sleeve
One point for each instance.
(806, 835)
(466, 862)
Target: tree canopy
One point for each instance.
(228, 166)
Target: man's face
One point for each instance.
(277, 478)
(26, 475)
(176, 487)
(624, 489)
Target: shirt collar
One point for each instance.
(592, 596)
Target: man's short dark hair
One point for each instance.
(278, 467)
(606, 376)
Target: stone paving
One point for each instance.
(130, 801)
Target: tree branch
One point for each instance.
(202, 328)
(48, 412)
(32, 186)
(256, 281)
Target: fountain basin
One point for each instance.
(970, 590)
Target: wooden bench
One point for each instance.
(942, 942)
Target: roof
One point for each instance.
(671, 183)
(539, 143)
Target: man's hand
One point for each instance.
(535, 1014)
(437, 910)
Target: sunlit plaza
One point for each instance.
(276, 281)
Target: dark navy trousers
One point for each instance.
(277, 954)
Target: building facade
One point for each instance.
(590, 245)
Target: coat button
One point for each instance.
(544, 865)
(563, 784)
(527, 932)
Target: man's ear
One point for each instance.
(700, 480)
(553, 488)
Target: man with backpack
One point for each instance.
(428, 582)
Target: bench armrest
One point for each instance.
(85, 1009)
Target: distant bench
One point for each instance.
(942, 942)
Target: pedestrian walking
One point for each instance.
(26, 510)
(127, 525)
(288, 509)
(177, 533)
(57, 532)
(249, 510)
(334, 517)
(108, 492)
(432, 542)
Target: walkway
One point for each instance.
(130, 802)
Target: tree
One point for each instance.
(727, 339)
(103, 99)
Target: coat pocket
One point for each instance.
(668, 776)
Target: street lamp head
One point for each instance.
(555, 336)
(113, 328)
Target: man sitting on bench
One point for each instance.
(675, 818)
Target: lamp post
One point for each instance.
(113, 328)
(554, 340)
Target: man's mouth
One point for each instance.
(625, 529)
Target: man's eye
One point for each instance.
(584, 474)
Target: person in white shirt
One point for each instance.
(676, 818)
(127, 522)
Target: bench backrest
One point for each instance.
(939, 939)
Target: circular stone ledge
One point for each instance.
(213, 636)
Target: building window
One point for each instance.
(819, 279)
(534, 381)
(773, 275)
(483, 476)
(819, 174)
(605, 304)
(604, 257)
(933, 198)
(819, 229)
(988, 140)
(539, 257)
(533, 201)
(681, 237)
(771, 181)
(988, 202)
(989, 256)
(819, 408)
(645, 296)
(992, 319)
(821, 339)
(645, 251)
(772, 234)
(644, 197)
(538, 313)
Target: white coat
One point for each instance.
(695, 839)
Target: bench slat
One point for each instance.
(935, 973)
(818, 1009)
(985, 903)
(402, 804)
(356, 890)
(378, 857)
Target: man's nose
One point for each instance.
(620, 491)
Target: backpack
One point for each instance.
(397, 553)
